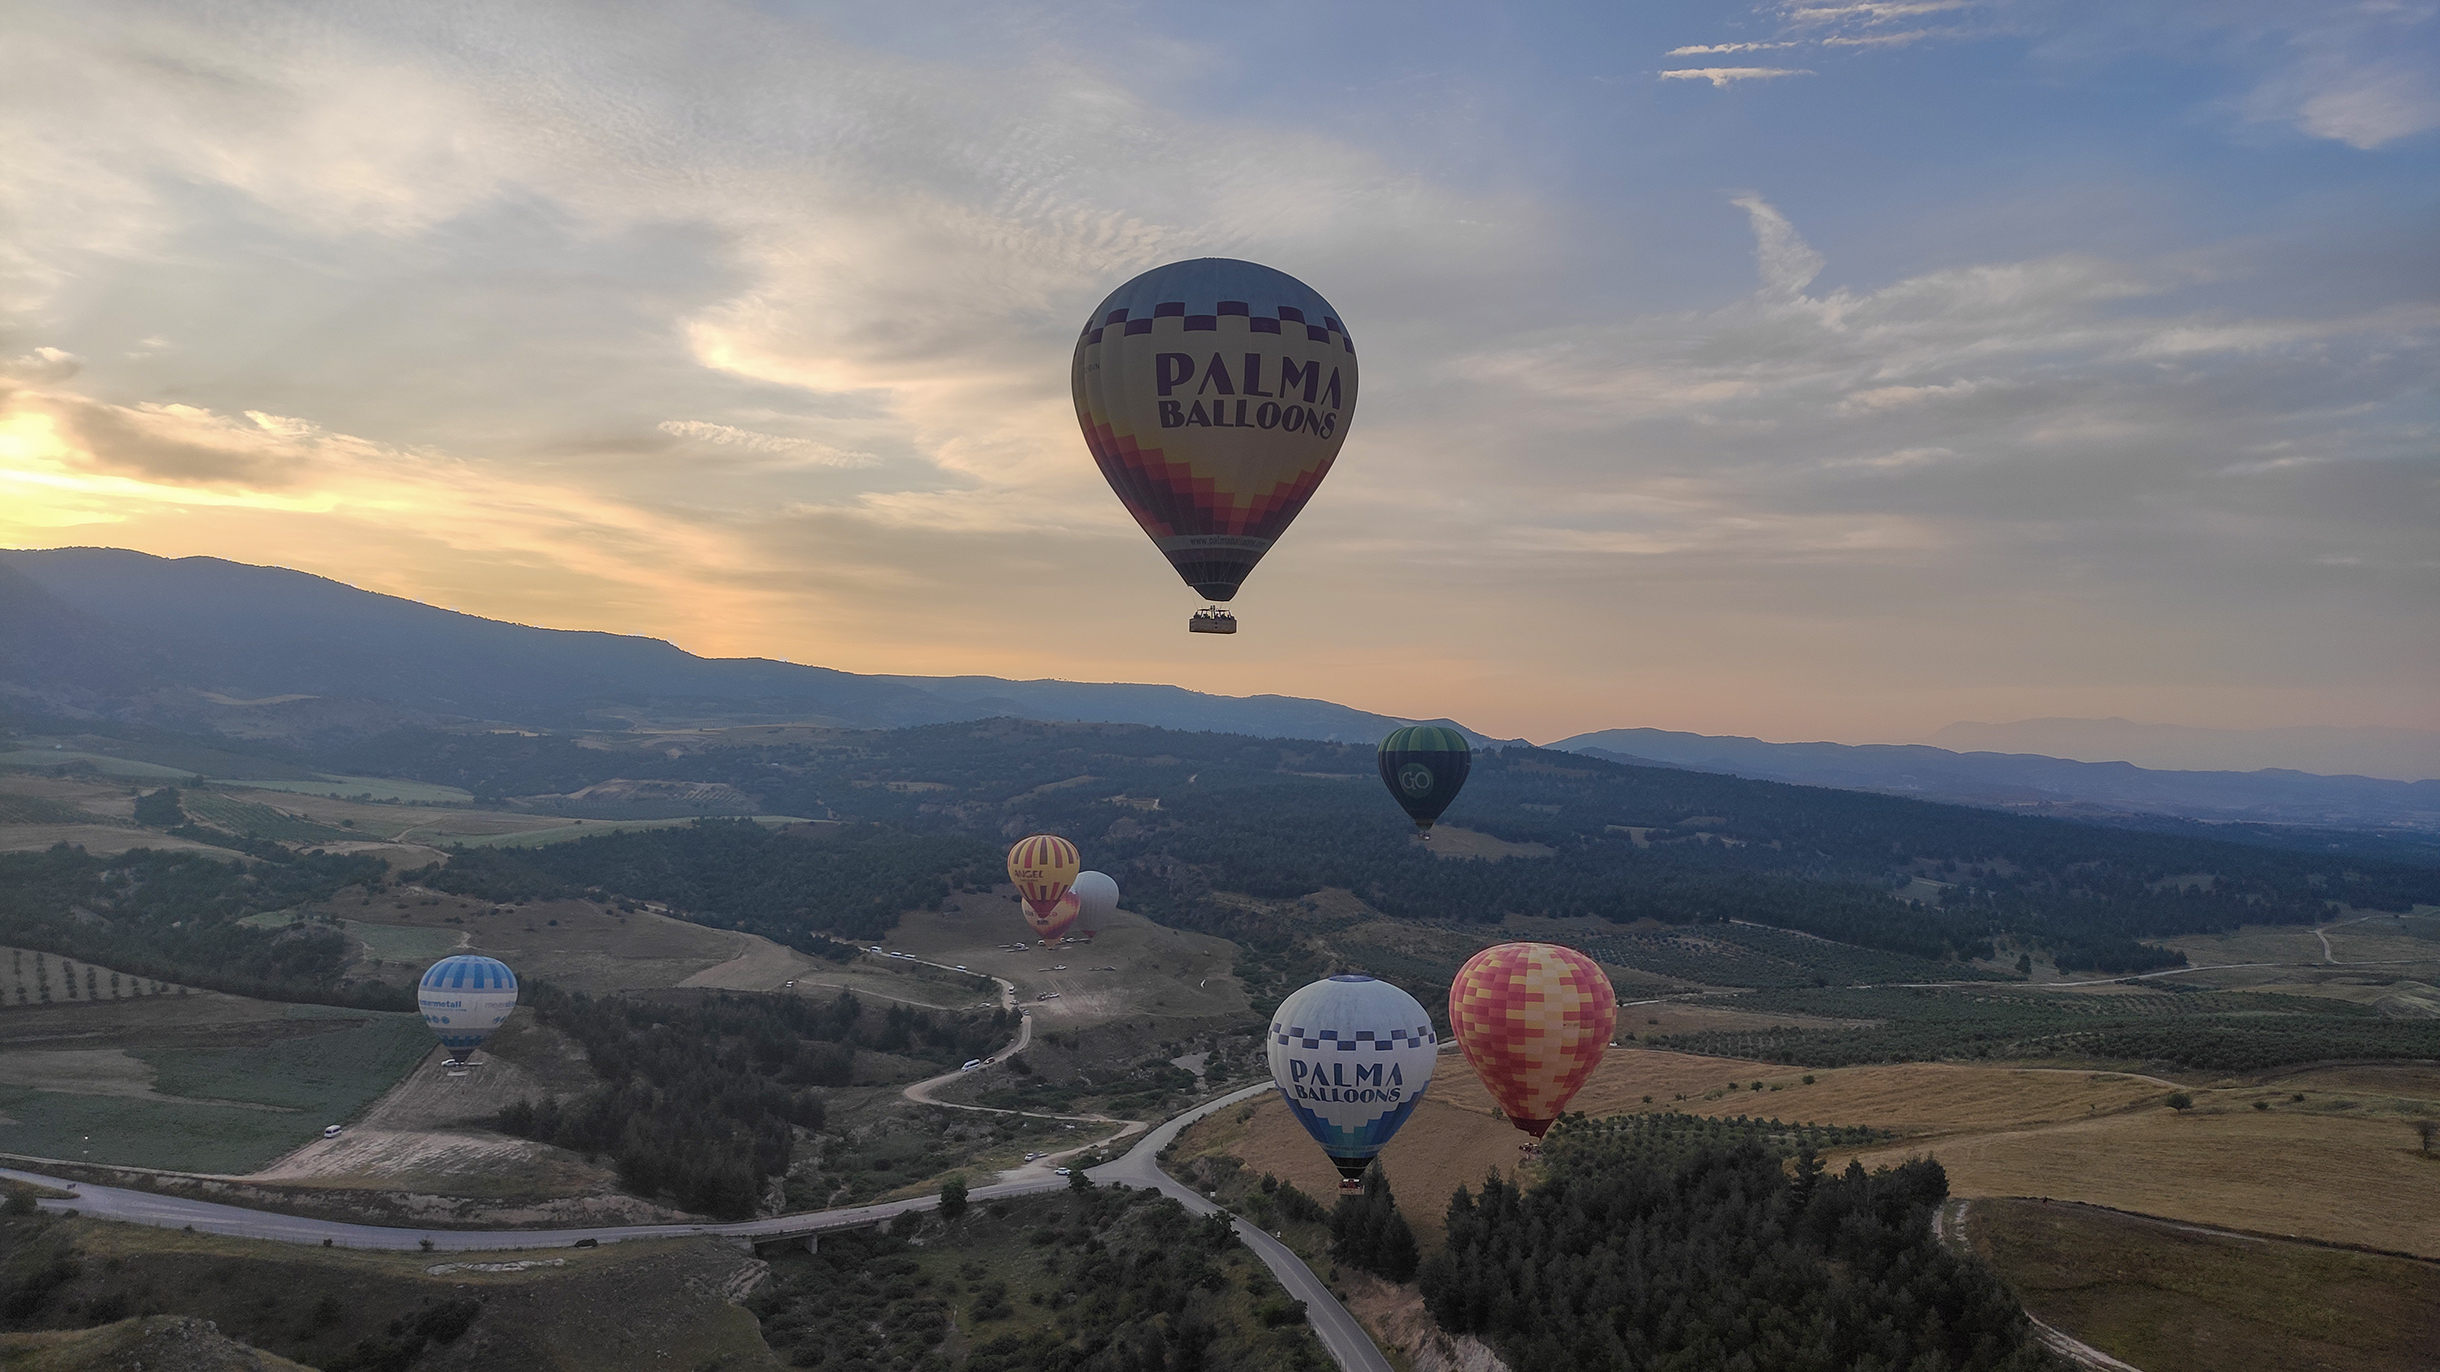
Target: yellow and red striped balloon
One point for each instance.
(1043, 866)
(1534, 1020)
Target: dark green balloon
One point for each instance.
(1424, 766)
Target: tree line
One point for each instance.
(175, 916)
(701, 1094)
(1634, 1253)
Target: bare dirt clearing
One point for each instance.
(1159, 972)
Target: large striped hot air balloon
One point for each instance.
(1352, 1055)
(464, 998)
(1214, 395)
(1043, 866)
(1534, 1020)
(1424, 766)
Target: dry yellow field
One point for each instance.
(2347, 1174)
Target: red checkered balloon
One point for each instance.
(1534, 1020)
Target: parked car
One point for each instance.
(1059, 1171)
(1048, 995)
(330, 1131)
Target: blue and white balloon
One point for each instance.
(1352, 1055)
(464, 998)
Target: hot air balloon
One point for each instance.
(1424, 766)
(1534, 1019)
(1214, 395)
(1097, 899)
(464, 998)
(1063, 918)
(1352, 1055)
(1043, 866)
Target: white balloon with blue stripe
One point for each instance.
(1352, 1055)
(464, 998)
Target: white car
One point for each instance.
(961, 967)
(1048, 995)
(1059, 1171)
(330, 1131)
(971, 1064)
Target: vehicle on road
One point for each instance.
(1048, 995)
(330, 1131)
(971, 1064)
(1059, 1171)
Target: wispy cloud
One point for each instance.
(805, 451)
(1705, 49)
(1722, 78)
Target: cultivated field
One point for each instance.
(198, 1082)
(2175, 1299)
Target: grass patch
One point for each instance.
(390, 789)
(147, 1133)
(397, 943)
(329, 1076)
(2168, 1300)
(257, 821)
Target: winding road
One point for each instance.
(1140, 1167)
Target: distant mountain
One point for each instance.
(268, 653)
(201, 640)
(2396, 754)
(2021, 780)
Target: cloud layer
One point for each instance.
(753, 333)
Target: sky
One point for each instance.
(1809, 370)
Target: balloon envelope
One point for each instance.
(1054, 926)
(1534, 1020)
(1352, 1055)
(464, 998)
(1424, 766)
(1214, 395)
(1097, 898)
(1043, 866)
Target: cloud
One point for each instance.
(1883, 40)
(42, 365)
(2369, 105)
(1702, 49)
(1722, 77)
(1876, 12)
(801, 451)
(1786, 262)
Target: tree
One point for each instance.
(2024, 964)
(1078, 1181)
(953, 1197)
(2427, 1130)
(2179, 1101)
(1367, 1231)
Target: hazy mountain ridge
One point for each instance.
(2017, 779)
(101, 629)
(2390, 754)
(268, 652)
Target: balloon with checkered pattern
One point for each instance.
(1352, 1056)
(1214, 395)
(1534, 1020)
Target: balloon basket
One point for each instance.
(1531, 1150)
(1353, 1186)
(1212, 620)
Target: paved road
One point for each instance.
(1140, 1167)
(1341, 1335)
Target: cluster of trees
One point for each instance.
(2205, 1030)
(176, 917)
(1367, 1231)
(1121, 1281)
(1634, 1253)
(1749, 955)
(739, 874)
(701, 1093)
